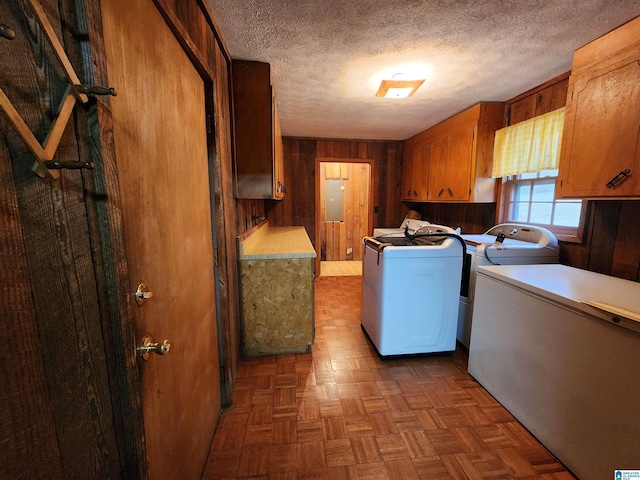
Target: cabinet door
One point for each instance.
(450, 163)
(438, 166)
(258, 140)
(602, 135)
(420, 173)
(459, 163)
(278, 157)
(407, 175)
(415, 174)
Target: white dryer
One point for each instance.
(504, 244)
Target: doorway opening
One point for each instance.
(343, 215)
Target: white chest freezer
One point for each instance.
(559, 347)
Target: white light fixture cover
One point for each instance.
(398, 92)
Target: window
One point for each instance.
(526, 157)
(529, 198)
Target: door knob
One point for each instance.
(142, 294)
(149, 346)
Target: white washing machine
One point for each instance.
(504, 244)
(411, 290)
(411, 224)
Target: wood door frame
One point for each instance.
(120, 335)
(372, 189)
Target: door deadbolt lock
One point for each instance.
(142, 294)
(149, 346)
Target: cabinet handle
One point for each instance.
(409, 193)
(415, 194)
(618, 178)
(450, 192)
(440, 192)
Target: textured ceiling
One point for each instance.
(327, 56)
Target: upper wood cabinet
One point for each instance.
(415, 174)
(450, 164)
(259, 152)
(457, 156)
(600, 155)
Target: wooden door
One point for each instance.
(162, 161)
(342, 240)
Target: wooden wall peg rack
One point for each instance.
(45, 166)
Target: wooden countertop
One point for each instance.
(276, 242)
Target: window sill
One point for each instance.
(563, 234)
(568, 238)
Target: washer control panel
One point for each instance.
(524, 233)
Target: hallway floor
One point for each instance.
(344, 268)
(341, 412)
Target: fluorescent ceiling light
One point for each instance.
(398, 88)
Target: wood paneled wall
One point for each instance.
(56, 394)
(542, 99)
(470, 217)
(299, 205)
(610, 244)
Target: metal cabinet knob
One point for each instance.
(149, 346)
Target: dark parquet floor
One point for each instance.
(342, 412)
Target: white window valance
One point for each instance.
(530, 146)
